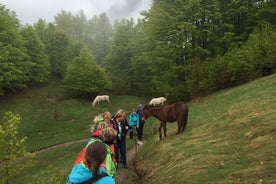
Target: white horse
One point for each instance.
(99, 99)
(158, 101)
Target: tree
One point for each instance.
(118, 60)
(102, 34)
(83, 75)
(13, 56)
(39, 65)
(12, 148)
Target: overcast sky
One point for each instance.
(29, 11)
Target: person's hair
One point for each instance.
(121, 111)
(102, 125)
(108, 135)
(107, 115)
(96, 121)
(95, 156)
(119, 114)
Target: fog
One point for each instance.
(29, 11)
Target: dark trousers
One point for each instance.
(141, 127)
(137, 129)
(120, 149)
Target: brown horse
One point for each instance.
(168, 113)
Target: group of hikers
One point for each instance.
(98, 161)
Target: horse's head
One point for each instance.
(146, 112)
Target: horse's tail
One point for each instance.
(185, 117)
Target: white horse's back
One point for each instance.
(99, 99)
(158, 101)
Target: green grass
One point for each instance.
(49, 117)
(230, 136)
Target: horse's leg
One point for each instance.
(179, 125)
(160, 129)
(165, 129)
(184, 121)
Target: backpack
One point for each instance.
(134, 118)
(110, 162)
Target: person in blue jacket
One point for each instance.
(95, 171)
(139, 111)
(134, 125)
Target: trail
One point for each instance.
(122, 173)
(42, 150)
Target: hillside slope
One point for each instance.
(230, 138)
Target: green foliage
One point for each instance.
(118, 60)
(13, 57)
(12, 147)
(100, 35)
(84, 76)
(58, 46)
(260, 51)
(39, 65)
(256, 58)
(96, 33)
(180, 49)
(184, 40)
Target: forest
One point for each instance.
(180, 49)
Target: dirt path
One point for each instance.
(121, 173)
(58, 145)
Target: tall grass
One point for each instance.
(230, 138)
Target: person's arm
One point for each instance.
(130, 122)
(138, 120)
(126, 124)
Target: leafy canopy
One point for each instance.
(83, 75)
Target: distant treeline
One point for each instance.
(179, 49)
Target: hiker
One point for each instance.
(97, 132)
(134, 125)
(122, 128)
(95, 170)
(108, 119)
(139, 111)
(96, 122)
(108, 136)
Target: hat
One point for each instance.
(140, 105)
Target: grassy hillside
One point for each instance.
(50, 117)
(230, 138)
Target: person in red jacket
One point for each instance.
(108, 136)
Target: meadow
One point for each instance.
(230, 136)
